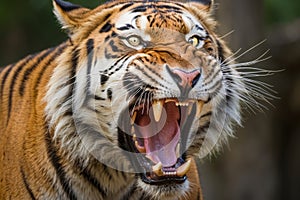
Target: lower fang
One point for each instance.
(133, 117)
(134, 137)
(183, 169)
(140, 148)
(157, 169)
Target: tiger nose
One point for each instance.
(186, 79)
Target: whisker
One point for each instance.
(227, 34)
(250, 49)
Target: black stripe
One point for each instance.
(90, 55)
(206, 114)
(169, 8)
(67, 6)
(109, 94)
(150, 69)
(74, 63)
(199, 28)
(27, 186)
(142, 8)
(106, 28)
(96, 97)
(146, 74)
(59, 169)
(41, 73)
(203, 128)
(212, 76)
(126, 6)
(109, 56)
(103, 79)
(129, 193)
(126, 27)
(71, 82)
(116, 63)
(107, 172)
(113, 46)
(4, 78)
(14, 80)
(91, 179)
(30, 69)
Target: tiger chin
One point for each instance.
(121, 108)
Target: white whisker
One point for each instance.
(227, 34)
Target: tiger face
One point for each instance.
(150, 88)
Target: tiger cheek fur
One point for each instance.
(119, 110)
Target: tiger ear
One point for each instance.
(69, 15)
(203, 5)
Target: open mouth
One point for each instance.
(159, 133)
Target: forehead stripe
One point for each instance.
(106, 28)
(126, 27)
(126, 6)
(142, 8)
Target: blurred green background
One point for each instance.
(262, 162)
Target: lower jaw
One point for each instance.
(164, 181)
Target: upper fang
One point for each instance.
(133, 117)
(157, 107)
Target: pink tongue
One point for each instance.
(162, 146)
(161, 138)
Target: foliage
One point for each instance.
(278, 11)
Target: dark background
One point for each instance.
(262, 162)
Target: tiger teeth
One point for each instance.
(183, 169)
(199, 108)
(139, 148)
(157, 107)
(181, 103)
(133, 117)
(180, 171)
(157, 169)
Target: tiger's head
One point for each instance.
(148, 86)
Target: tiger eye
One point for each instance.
(134, 40)
(194, 41)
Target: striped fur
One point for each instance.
(60, 108)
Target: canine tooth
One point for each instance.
(140, 148)
(133, 117)
(178, 150)
(183, 169)
(157, 169)
(134, 137)
(199, 108)
(157, 109)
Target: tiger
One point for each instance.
(123, 108)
